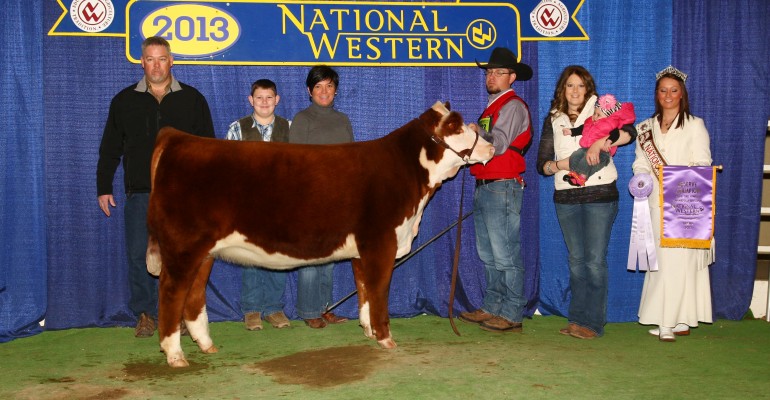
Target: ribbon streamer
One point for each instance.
(642, 245)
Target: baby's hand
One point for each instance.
(566, 132)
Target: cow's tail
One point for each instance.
(153, 260)
(159, 147)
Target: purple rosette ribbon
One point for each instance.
(642, 245)
(640, 185)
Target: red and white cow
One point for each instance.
(281, 206)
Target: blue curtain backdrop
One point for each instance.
(64, 261)
(22, 149)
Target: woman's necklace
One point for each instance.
(665, 125)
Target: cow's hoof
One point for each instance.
(368, 331)
(387, 343)
(211, 350)
(178, 363)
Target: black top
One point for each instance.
(133, 123)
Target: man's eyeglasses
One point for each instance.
(496, 73)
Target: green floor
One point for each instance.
(724, 360)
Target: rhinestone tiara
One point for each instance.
(673, 71)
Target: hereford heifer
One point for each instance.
(281, 206)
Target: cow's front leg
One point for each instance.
(373, 282)
(363, 296)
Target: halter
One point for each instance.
(465, 155)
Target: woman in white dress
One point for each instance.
(678, 295)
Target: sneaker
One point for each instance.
(475, 317)
(582, 332)
(500, 324)
(575, 179)
(145, 327)
(253, 321)
(679, 330)
(278, 320)
(667, 334)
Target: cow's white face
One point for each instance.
(482, 151)
(460, 139)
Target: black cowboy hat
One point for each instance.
(504, 58)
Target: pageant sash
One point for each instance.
(687, 197)
(642, 245)
(646, 142)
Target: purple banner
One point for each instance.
(688, 206)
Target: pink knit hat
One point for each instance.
(608, 104)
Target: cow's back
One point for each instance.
(306, 202)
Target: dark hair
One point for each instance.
(155, 41)
(559, 101)
(320, 73)
(263, 84)
(684, 102)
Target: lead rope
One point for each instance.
(456, 260)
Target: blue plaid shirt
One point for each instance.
(234, 131)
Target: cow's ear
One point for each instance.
(453, 124)
(446, 104)
(431, 118)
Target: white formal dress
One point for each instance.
(679, 292)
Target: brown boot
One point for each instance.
(183, 329)
(569, 329)
(475, 317)
(333, 319)
(315, 323)
(253, 321)
(500, 324)
(582, 332)
(278, 320)
(145, 327)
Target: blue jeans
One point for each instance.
(143, 287)
(497, 217)
(314, 290)
(579, 164)
(586, 229)
(262, 291)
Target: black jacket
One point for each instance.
(132, 125)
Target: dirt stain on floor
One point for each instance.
(141, 370)
(324, 368)
(69, 390)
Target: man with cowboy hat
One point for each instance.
(499, 191)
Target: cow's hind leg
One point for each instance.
(373, 283)
(176, 281)
(195, 315)
(171, 297)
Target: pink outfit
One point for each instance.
(595, 130)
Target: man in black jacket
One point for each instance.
(136, 114)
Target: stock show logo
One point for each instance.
(550, 18)
(92, 15)
(481, 34)
(334, 32)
